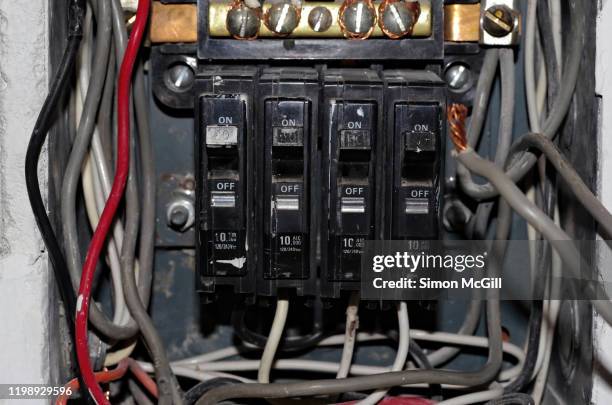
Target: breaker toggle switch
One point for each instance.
(286, 168)
(417, 133)
(224, 165)
(351, 179)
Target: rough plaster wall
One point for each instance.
(602, 384)
(24, 280)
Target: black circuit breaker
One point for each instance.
(415, 111)
(288, 189)
(224, 148)
(352, 183)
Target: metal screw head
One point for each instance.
(458, 77)
(180, 77)
(320, 19)
(282, 18)
(398, 18)
(499, 21)
(243, 22)
(358, 18)
(180, 214)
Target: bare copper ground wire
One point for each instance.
(457, 114)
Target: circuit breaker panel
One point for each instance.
(299, 164)
(299, 167)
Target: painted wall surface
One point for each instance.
(602, 385)
(25, 284)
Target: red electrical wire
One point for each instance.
(101, 377)
(113, 375)
(116, 194)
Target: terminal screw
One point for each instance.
(397, 18)
(320, 19)
(357, 18)
(282, 18)
(243, 22)
(498, 21)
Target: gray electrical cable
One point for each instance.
(524, 164)
(146, 248)
(147, 214)
(530, 81)
(169, 388)
(562, 243)
(334, 386)
(504, 139)
(468, 327)
(572, 179)
(72, 174)
(483, 92)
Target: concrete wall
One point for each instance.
(25, 283)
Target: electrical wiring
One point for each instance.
(39, 133)
(558, 238)
(468, 327)
(524, 164)
(276, 332)
(201, 388)
(548, 48)
(123, 158)
(401, 355)
(530, 79)
(73, 168)
(209, 361)
(332, 386)
(113, 375)
(474, 398)
(93, 194)
(288, 343)
(512, 399)
(550, 324)
(101, 377)
(504, 141)
(350, 335)
(420, 359)
(138, 395)
(579, 189)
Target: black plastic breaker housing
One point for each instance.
(225, 142)
(415, 117)
(352, 180)
(288, 179)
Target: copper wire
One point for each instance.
(353, 35)
(413, 7)
(457, 114)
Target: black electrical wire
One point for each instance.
(46, 118)
(44, 122)
(195, 392)
(512, 399)
(39, 134)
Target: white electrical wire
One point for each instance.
(208, 362)
(400, 357)
(276, 332)
(350, 335)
